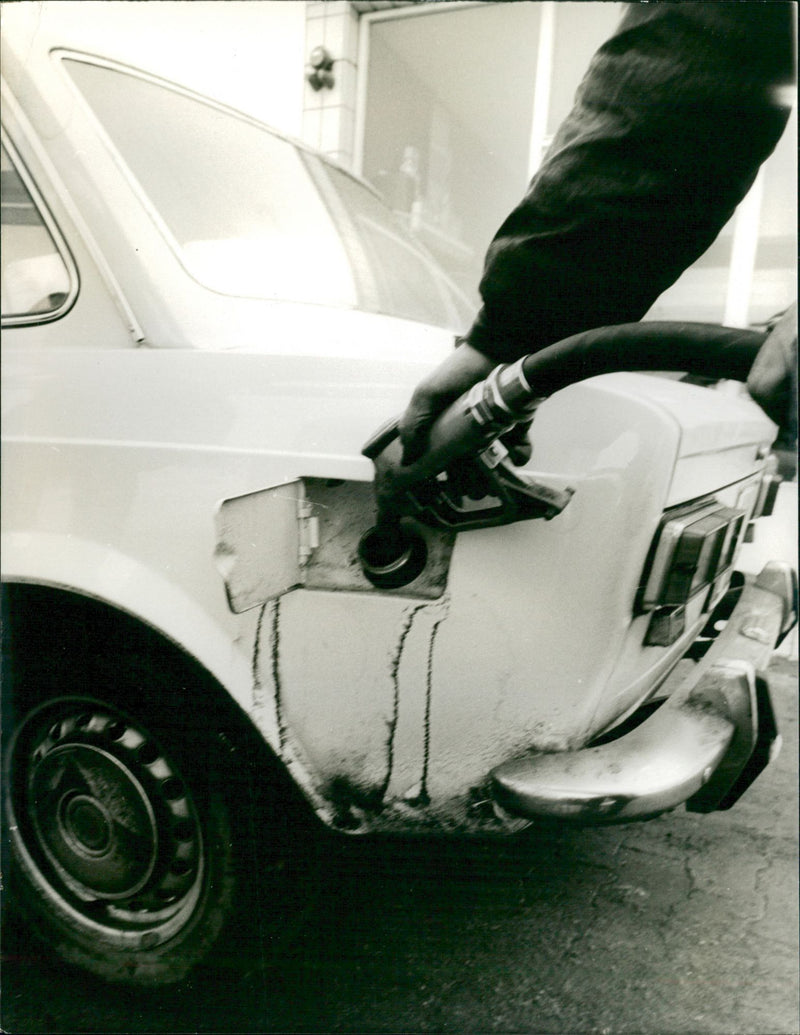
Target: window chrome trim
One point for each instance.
(59, 242)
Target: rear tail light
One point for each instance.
(768, 491)
(767, 494)
(693, 553)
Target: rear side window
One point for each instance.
(251, 215)
(234, 201)
(393, 267)
(37, 277)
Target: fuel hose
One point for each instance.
(509, 395)
(705, 349)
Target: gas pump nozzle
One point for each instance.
(464, 453)
(464, 479)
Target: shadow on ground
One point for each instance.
(683, 924)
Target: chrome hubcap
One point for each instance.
(93, 819)
(105, 823)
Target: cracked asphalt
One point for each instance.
(684, 924)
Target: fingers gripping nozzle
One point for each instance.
(463, 480)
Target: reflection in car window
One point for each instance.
(243, 210)
(34, 282)
(404, 282)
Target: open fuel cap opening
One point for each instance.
(392, 555)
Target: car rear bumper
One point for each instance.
(704, 746)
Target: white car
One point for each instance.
(203, 323)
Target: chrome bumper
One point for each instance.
(704, 746)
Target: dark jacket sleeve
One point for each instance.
(670, 125)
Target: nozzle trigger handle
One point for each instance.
(384, 436)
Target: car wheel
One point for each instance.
(123, 834)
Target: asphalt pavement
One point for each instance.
(686, 924)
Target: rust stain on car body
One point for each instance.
(395, 670)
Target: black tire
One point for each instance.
(124, 817)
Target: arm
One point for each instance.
(670, 125)
(674, 117)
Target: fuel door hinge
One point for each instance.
(308, 528)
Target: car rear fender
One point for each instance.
(90, 569)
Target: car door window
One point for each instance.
(38, 281)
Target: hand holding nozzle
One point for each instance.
(464, 429)
(707, 349)
(393, 553)
(493, 404)
(474, 410)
